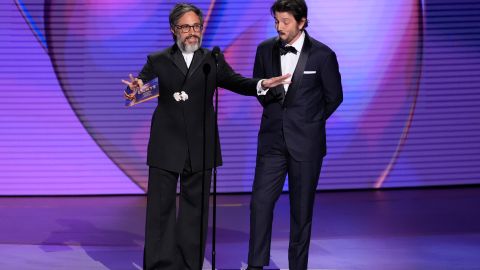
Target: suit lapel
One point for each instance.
(299, 69)
(197, 60)
(178, 60)
(277, 67)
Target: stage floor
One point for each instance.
(405, 229)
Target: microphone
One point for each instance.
(216, 53)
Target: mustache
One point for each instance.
(192, 36)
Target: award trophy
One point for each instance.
(147, 92)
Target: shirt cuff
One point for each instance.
(260, 91)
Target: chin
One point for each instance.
(192, 48)
(284, 38)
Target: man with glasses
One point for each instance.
(175, 149)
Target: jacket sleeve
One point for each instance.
(259, 72)
(332, 84)
(147, 73)
(273, 94)
(229, 79)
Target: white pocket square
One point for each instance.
(309, 72)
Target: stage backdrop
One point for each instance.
(410, 71)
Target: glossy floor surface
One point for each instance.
(408, 229)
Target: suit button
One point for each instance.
(285, 109)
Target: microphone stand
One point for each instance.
(215, 53)
(206, 71)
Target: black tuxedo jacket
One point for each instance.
(314, 94)
(177, 127)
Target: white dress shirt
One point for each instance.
(188, 58)
(289, 61)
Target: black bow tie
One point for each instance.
(286, 49)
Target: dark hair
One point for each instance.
(298, 9)
(181, 8)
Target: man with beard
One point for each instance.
(175, 149)
(292, 137)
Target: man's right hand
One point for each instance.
(134, 84)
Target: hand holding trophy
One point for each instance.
(138, 92)
(134, 84)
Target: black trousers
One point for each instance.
(270, 172)
(173, 242)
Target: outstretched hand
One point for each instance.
(134, 84)
(275, 81)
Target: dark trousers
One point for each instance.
(270, 172)
(174, 242)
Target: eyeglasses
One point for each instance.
(186, 28)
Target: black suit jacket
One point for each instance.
(177, 127)
(311, 98)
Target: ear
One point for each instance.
(171, 30)
(301, 25)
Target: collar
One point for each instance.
(188, 54)
(298, 44)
